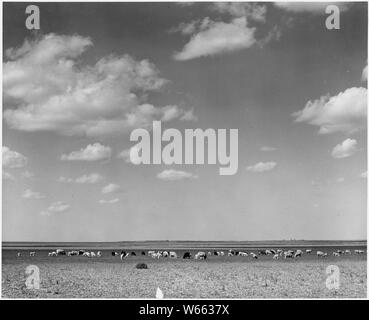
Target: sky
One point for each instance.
(74, 90)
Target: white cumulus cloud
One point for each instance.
(29, 194)
(46, 87)
(345, 112)
(211, 38)
(56, 207)
(112, 187)
(262, 166)
(346, 149)
(89, 178)
(13, 159)
(172, 175)
(103, 201)
(93, 152)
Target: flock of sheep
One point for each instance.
(201, 255)
(276, 253)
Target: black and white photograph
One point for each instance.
(184, 150)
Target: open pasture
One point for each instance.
(216, 277)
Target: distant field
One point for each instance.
(216, 277)
(182, 244)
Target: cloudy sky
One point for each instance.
(74, 90)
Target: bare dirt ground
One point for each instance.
(216, 277)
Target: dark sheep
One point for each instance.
(187, 255)
(141, 266)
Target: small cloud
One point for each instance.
(346, 149)
(216, 37)
(110, 188)
(364, 174)
(89, 178)
(109, 201)
(13, 159)
(339, 180)
(56, 207)
(29, 194)
(85, 179)
(267, 149)
(172, 175)
(65, 180)
(262, 166)
(93, 152)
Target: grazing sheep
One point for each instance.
(60, 252)
(298, 253)
(156, 255)
(200, 255)
(321, 254)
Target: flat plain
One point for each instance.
(216, 277)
